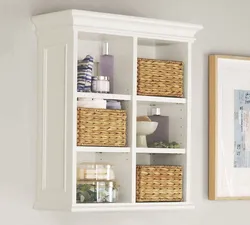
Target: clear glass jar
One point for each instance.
(100, 84)
(87, 171)
(96, 192)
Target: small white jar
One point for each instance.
(100, 84)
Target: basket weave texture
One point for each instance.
(101, 127)
(158, 183)
(159, 78)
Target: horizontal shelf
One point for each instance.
(160, 99)
(161, 150)
(103, 96)
(102, 149)
(131, 206)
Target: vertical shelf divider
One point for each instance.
(188, 93)
(134, 113)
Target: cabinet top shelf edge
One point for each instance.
(127, 25)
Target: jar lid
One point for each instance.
(100, 78)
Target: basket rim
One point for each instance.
(149, 166)
(97, 109)
(161, 60)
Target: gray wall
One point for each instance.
(226, 30)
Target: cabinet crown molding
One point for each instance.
(117, 24)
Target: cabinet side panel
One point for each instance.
(54, 124)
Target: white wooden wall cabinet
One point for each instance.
(65, 36)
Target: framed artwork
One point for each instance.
(229, 127)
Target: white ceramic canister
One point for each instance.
(100, 84)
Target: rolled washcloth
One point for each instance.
(84, 74)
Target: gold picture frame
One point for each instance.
(222, 69)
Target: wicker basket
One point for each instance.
(159, 78)
(158, 183)
(101, 127)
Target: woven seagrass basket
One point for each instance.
(159, 78)
(101, 127)
(158, 183)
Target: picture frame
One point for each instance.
(229, 127)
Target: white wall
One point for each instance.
(227, 31)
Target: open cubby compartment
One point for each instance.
(165, 50)
(122, 169)
(177, 119)
(166, 160)
(122, 50)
